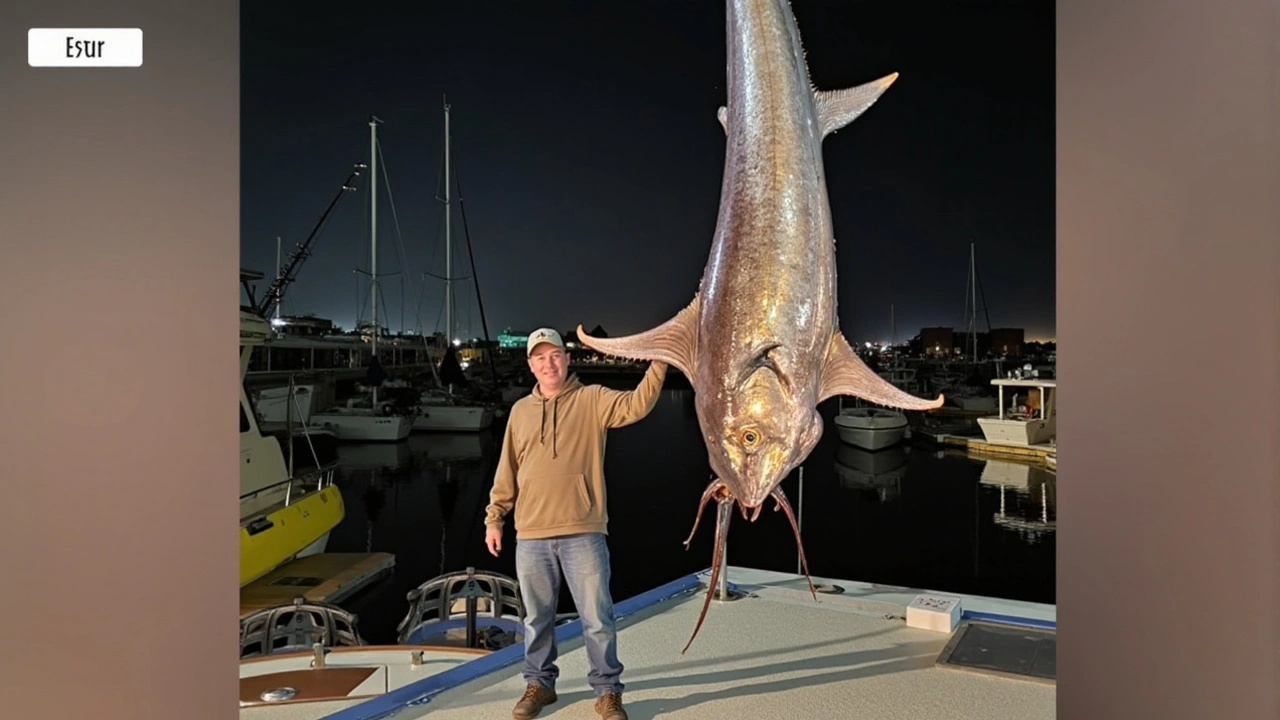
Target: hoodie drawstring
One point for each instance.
(542, 424)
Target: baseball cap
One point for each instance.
(542, 335)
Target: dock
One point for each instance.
(325, 577)
(775, 652)
(982, 448)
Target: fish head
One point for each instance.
(756, 433)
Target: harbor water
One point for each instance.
(911, 516)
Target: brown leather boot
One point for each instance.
(531, 703)
(609, 707)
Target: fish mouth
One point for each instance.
(750, 509)
(749, 503)
(719, 491)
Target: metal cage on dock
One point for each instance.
(297, 626)
(478, 609)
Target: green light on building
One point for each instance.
(509, 339)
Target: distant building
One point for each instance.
(937, 340)
(512, 340)
(1007, 341)
(509, 339)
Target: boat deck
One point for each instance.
(776, 653)
(358, 673)
(323, 577)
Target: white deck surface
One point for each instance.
(776, 655)
(395, 670)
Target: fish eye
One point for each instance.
(750, 437)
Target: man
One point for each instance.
(551, 472)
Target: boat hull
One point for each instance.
(871, 431)
(273, 404)
(296, 530)
(364, 427)
(453, 418)
(1022, 433)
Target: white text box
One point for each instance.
(84, 47)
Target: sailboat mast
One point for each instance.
(373, 238)
(894, 355)
(277, 314)
(448, 230)
(973, 289)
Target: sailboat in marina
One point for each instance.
(961, 393)
(439, 410)
(368, 420)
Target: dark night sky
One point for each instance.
(590, 158)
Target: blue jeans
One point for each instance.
(584, 560)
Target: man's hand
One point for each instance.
(493, 540)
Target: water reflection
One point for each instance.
(881, 472)
(422, 500)
(1028, 498)
(373, 456)
(456, 447)
(906, 515)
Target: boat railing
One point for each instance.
(300, 485)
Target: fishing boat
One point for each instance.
(870, 428)
(284, 513)
(307, 660)
(1031, 416)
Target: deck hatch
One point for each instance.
(989, 648)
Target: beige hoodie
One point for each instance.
(552, 465)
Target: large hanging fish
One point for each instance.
(760, 342)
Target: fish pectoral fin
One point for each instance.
(844, 373)
(674, 342)
(723, 116)
(837, 108)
